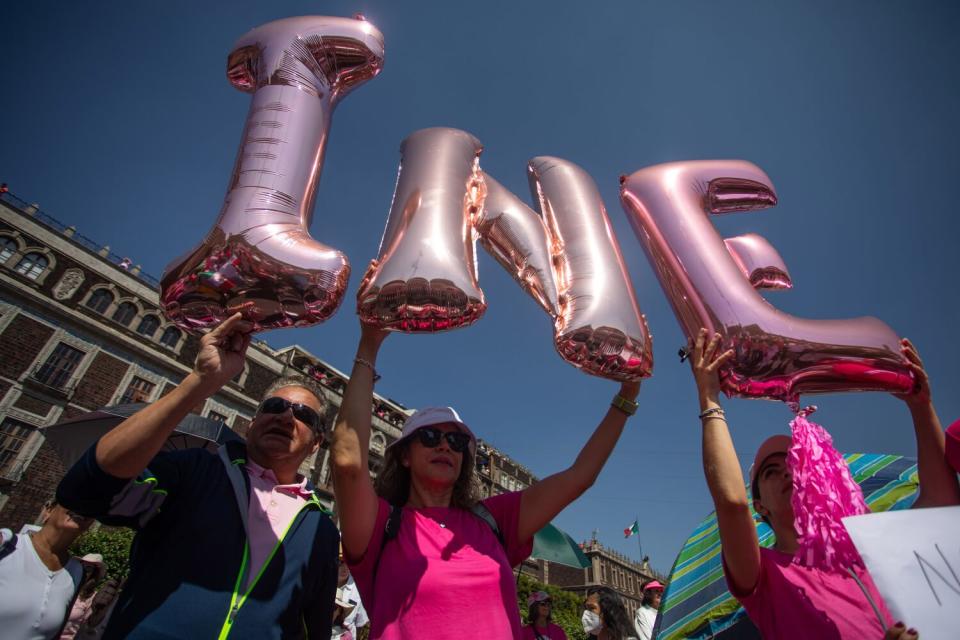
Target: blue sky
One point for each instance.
(117, 118)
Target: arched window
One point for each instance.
(8, 247)
(125, 313)
(32, 265)
(170, 337)
(378, 443)
(148, 326)
(100, 300)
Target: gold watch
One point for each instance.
(629, 407)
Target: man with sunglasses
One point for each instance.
(232, 544)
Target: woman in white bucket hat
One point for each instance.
(429, 558)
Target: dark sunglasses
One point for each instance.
(301, 412)
(430, 437)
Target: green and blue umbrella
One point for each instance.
(697, 603)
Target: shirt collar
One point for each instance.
(298, 488)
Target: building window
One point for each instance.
(170, 337)
(219, 417)
(60, 365)
(100, 300)
(8, 247)
(148, 326)
(139, 390)
(125, 313)
(32, 265)
(378, 443)
(13, 435)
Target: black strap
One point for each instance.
(9, 546)
(392, 529)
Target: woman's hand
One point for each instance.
(899, 631)
(919, 396)
(222, 352)
(705, 364)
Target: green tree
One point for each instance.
(567, 607)
(112, 543)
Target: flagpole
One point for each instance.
(639, 541)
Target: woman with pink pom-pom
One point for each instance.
(785, 596)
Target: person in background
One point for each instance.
(356, 616)
(646, 615)
(430, 559)
(783, 598)
(39, 578)
(231, 543)
(540, 619)
(94, 572)
(604, 616)
(100, 609)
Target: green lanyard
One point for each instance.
(237, 602)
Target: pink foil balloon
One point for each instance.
(598, 327)
(759, 262)
(516, 237)
(425, 276)
(777, 355)
(259, 257)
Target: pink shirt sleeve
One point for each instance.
(505, 509)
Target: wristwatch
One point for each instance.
(629, 407)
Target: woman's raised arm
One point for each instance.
(356, 499)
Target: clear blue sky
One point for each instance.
(117, 118)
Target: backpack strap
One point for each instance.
(392, 529)
(484, 514)
(9, 542)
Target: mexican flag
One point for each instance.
(632, 530)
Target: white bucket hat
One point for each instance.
(435, 415)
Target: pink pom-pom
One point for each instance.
(823, 493)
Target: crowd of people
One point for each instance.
(235, 544)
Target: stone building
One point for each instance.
(81, 328)
(607, 568)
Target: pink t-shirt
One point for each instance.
(552, 632)
(793, 601)
(445, 575)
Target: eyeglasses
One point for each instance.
(301, 412)
(430, 437)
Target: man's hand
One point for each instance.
(222, 352)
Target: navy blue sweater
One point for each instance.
(188, 565)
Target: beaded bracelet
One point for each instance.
(368, 365)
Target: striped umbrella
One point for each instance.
(697, 604)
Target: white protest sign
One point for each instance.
(914, 558)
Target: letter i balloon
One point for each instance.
(259, 257)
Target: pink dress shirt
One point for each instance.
(272, 508)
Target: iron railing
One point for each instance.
(52, 223)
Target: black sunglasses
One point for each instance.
(430, 437)
(301, 412)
